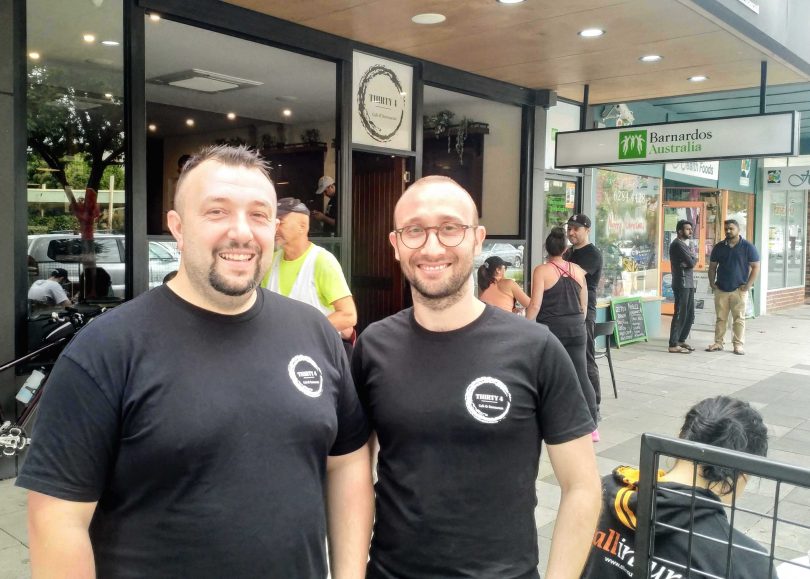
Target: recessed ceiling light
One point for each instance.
(651, 58)
(153, 128)
(33, 55)
(110, 42)
(510, 1)
(591, 32)
(428, 18)
(154, 17)
(231, 116)
(108, 95)
(190, 122)
(286, 112)
(698, 78)
(89, 38)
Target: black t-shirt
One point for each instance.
(588, 258)
(203, 437)
(460, 416)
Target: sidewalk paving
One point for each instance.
(656, 389)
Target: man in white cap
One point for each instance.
(328, 219)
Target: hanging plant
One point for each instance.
(440, 124)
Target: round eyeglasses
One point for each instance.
(449, 234)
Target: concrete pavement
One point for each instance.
(655, 390)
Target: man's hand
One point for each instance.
(317, 215)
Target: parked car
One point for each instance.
(66, 252)
(506, 251)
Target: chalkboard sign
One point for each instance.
(629, 316)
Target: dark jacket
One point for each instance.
(683, 264)
(613, 551)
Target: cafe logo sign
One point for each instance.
(639, 144)
(382, 113)
(381, 101)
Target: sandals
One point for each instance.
(678, 350)
(687, 346)
(714, 348)
(739, 350)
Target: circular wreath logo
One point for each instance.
(305, 375)
(381, 103)
(488, 400)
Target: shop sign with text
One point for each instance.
(704, 169)
(768, 135)
(381, 111)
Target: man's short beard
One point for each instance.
(219, 284)
(444, 297)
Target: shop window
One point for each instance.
(477, 143)
(627, 229)
(560, 198)
(786, 239)
(279, 102)
(75, 154)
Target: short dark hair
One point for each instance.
(240, 156)
(555, 242)
(728, 423)
(683, 223)
(731, 222)
(182, 160)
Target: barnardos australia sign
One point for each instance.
(735, 137)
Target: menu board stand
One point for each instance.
(628, 313)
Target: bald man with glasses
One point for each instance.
(461, 395)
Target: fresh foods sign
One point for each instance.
(768, 135)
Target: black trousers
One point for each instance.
(684, 315)
(576, 347)
(590, 359)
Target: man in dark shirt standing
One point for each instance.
(733, 267)
(683, 286)
(585, 254)
(328, 219)
(461, 395)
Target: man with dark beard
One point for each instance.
(205, 404)
(461, 395)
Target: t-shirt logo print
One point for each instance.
(305, 375)
(488, 400)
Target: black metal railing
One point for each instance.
(653, 447)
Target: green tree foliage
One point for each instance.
(78, 135)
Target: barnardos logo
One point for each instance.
(633, 144)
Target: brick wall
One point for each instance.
(784, 298)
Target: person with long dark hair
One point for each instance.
(723, 422)
(560, 301)
(495, 289)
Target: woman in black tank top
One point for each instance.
(560, 300)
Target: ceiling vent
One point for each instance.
(203, 81)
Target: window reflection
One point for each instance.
(627, 228)
(75, 163)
